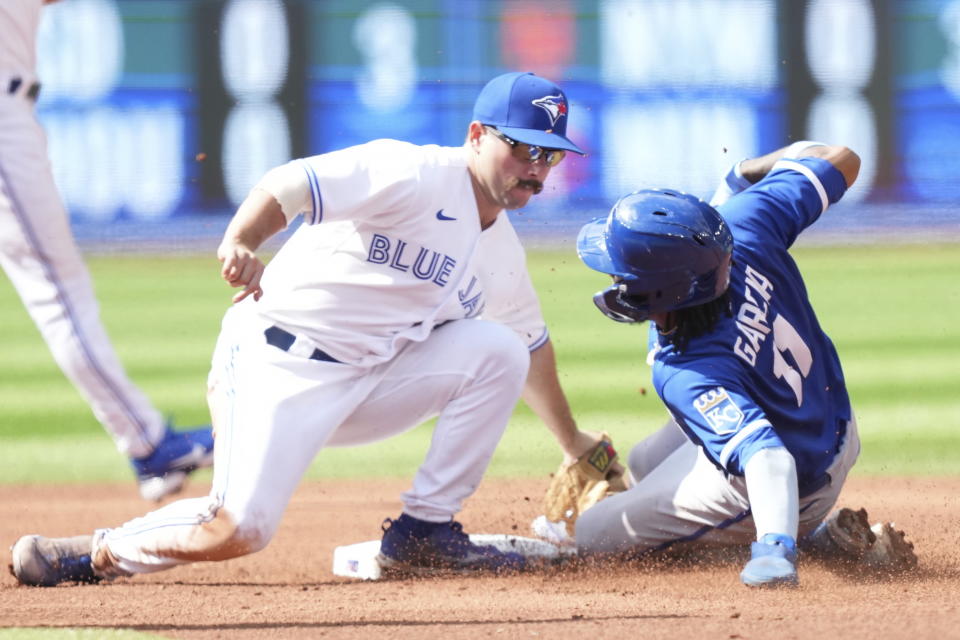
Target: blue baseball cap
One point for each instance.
(526, 108)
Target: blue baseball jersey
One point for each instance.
(768, 376)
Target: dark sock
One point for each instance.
(419, 528)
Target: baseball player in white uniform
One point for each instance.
(404, 295)
(38, 253)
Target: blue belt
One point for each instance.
(16, 85)
(282, 339)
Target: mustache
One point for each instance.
(536, 185)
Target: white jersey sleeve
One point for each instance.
(510, 296)
(341, 184)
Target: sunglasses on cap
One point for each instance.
(528, 152)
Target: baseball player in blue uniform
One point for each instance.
(762, 434)
(404, 295)
(38, 253)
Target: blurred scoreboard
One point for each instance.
(161, 108)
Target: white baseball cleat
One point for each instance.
(46, 562)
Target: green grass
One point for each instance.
(891, 311)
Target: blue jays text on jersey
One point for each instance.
(471, 299)
(425, 265)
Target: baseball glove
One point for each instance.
(577, 486)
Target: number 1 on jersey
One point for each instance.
(786, 338)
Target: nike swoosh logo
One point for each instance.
(440, 216)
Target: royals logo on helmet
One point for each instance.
(555, 106)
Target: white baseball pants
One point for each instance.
(38, 253)
(274, 411)
(685, 499)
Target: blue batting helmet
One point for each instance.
(667, 250)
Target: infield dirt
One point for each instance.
(289, 591)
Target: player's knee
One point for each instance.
(652, 451)
(501, 348)
(251, 534)
(486, 353)
(639, 462)
(227, 536)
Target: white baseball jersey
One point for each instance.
(391, 247)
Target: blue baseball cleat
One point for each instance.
(165, 471)
(418, 546)
(46, 562)
(772, 562)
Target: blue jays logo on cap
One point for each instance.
(526, 108)
(555, 106)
